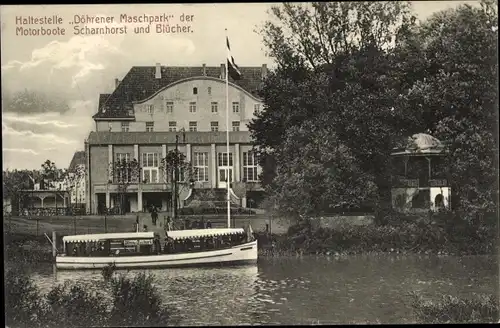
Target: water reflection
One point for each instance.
(359, 289)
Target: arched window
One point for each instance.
(195, 91)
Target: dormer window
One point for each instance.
(195, 91)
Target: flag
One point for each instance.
(232, 68)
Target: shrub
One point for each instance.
(23, 302)
(76, 306)
(121, 302)
(451, 309)
(137, 302)
(432, 234)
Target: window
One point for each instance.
(250, 167)
(236, 107)
(236, 125)
(256, 107)
(125, 126)
(121, 169)
(222, 158)
(150, 109)
(209, 90)
(192, 107)
(201, 166)
(150, 167)
(215, 107)
(195, 91)
(214, 126)
(172, 126)
(170, 107)
(150, 126)
(120, 157)
(193, 126)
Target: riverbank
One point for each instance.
(418, 237)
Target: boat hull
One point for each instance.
(237, 255)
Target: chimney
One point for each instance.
(263, 71)
(223, 71)
(204, 70)
(117, 82)
(158, 71)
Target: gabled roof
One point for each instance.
(140, 83)
(140, 138)
(78, 159)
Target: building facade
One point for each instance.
(420, 181)
(75, 181)
(151, 109)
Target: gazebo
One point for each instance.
(419, 175)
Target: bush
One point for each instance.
(450, 309)
(23, 302)
(433, 234)
(73, 305)
(121, 302)
(137, 302)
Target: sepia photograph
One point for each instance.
(223, 164)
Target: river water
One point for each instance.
(310, 290)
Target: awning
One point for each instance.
(198, 233)
(108, 236)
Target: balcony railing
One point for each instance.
(401, 182)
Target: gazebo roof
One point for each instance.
(420, 144)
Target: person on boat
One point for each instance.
(195, 224)
(145, 228)
(202, 222)
(209, 224)
(187, 224)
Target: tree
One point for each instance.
(14, 184)
(459, 100)
(335, 62)
(74, 180)
(327, 173)
(51, 176)
(124, 173)
(177, 171)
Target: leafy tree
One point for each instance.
(458, 99)
(74, 179)
(14, 184)
(335, 62)
(329, 178)
(176, 168)
(124, 173)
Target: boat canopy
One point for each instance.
(108, 236)
(197, 233)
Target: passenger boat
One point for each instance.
(227, 246)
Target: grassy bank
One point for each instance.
(116, 301)
(420, 237)
(450, 309)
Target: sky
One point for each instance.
(77, 68)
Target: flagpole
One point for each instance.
(227, 139)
